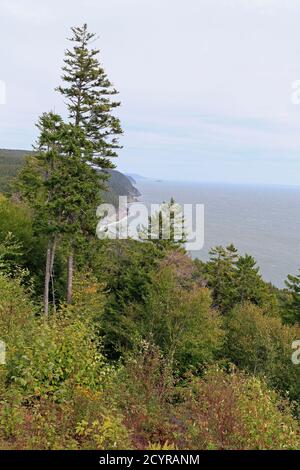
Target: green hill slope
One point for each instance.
(12, 160)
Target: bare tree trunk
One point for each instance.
(53, 249)
(70, 278)
(47, 279)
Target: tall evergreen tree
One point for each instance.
(236, 279)
(88, 94)
(60, 187)
(89, 97)
(250, 287)
(36, 185)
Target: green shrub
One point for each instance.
(144, 390)
(60, 355)
(180, 321)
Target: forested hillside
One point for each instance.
(127, 344)
(120, 185)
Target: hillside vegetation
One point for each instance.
(11, 162)
(121, 343)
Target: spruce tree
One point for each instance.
(62, 181)
(220, 271)
(37, 185)
(89, 94)
(292, 304)
(60, 187)
(166, 227)
(250, 287)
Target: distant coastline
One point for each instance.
(262, 221)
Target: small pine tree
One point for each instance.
(88, 94)
(166, 228)
(60, 186)
(36, 184)
(249, 284)
(292, 304)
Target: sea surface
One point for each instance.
(263, 221)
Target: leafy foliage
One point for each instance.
(232, 411)
(262, 346)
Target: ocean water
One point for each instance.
(263, 221)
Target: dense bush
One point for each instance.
(131, 363)
(58, 391)
(263, 345)
(234, 279)
(180, 321)
(232, 411)
(15, 222)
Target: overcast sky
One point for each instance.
(205, 85)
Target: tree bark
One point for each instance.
(47, 279)
(70, 278)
